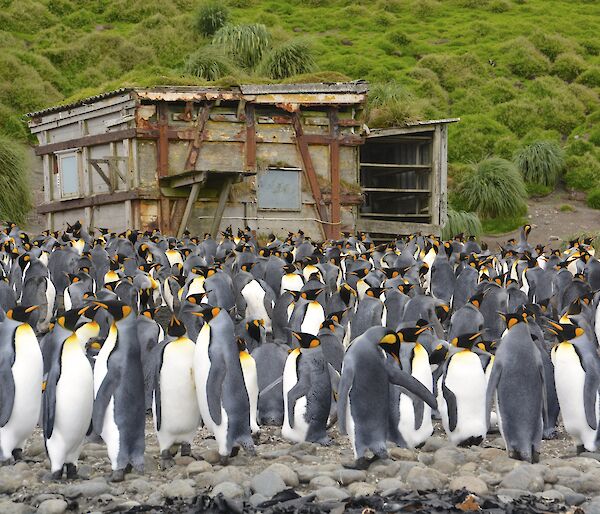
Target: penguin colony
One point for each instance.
(378, 339)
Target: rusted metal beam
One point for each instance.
(162, 148)
(309, 170)
(103, 199)
(250, 138)
(334, 174)
(346, 198)
(96, 139)
(192, 158)
(317, 139)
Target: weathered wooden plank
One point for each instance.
(96, 139)
(188, 209)
(162, 148)
(395, 227)
(194, 151)
(250, 145)
(216, 223)
(392, 190)
(334, 174)
(102, 199)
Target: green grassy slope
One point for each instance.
(513, 70)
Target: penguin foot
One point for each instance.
(234, 451)
(471, 441)
(118, 475)
(17, 454)
(223, 460)
(71, 471)
(551, 433)
(57, 475)
(166, 460)
(186, 450)
(326, 441)
(579, 449)
(362, 463)
(535, 457)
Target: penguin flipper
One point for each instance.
(7, 391)
(419, 408)
(450, 399)
(590, 396)
(160, 352)
(295, 393)
(491, 389)
(49, 406)
(103, 396)
(344, 390)
(214, 390)
(334, 377)
(403, 379)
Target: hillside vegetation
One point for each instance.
(516, 71)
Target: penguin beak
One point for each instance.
(32, 308)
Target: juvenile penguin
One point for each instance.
(21, 369)
(306, 392)
(517, 382)
(363, 403)
(462, 393)
(577, 379)
(174, 403)
(68, 401)
(220, 388)
(119, 402)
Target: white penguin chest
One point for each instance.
(254, 295)
(290, 379)
(101, 364)
(314, 316)
(291, 282)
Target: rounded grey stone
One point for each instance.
(571, 497)
(511, 493)
(525, 477)
(331, 493)
(404, 468)
(256, 499)
(8, 507)
(434, 443)
(52, 507)
(87, 489)
(198, 466)
(179, 489)
(389, 484)
(361, 489)
(228, 474)
(139, 485)
(228, 489)
(470, 483)
(288, 475)
(267, 483)
(348, 476)
(552, 495)
(425, 479)
(322, 481)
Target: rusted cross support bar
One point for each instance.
(190, 163)
(307, 166)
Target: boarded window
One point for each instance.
(68, 168)
(279, 189)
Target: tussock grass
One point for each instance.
(209, 64)
(211, 16)
(288, 59)
(593, 198)
(14, 187)
(541, 163)
(494, 188)
(246, 44)
(461, 222)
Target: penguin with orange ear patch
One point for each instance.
(517, 383)
(119, 406)
(306, 392)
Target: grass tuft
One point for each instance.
(541, 163)
(210, 64)
(210, 17)
(247, 44)
(593, 198)
(565, 207)
(461, 222)
(288, 59)
(15, 201)
(494, 188)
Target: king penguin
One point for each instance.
(251, 382)
(363, 403)
(220, 387)
(119, 403)
(306, 392)
(21, 369)
(69, 400)
(174, 404)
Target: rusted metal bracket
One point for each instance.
(202, 118)
(307, 166)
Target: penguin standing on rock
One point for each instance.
(518, 384)
(21, 369)
(306, 392)
(220, 387)
(363, 404)
(69, 400)
(119, 404)
(174, 403)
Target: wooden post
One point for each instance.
(250, 139)
(334, 175)
(221, 207)
(188, 208)
(162, 145)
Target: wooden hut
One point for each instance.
(273, 157)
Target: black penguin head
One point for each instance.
(241, 344)
(254, 328)
(392, 272)
(405, 288)
(306, 340)
(117, 309)
(360, 272)
(375, 292)
(70, 318)
(23, 260)
(390, 343)
(196, 299)
(311, 294)
(200, 270)
(476, 299)
(487, 346)
(411, 334)
(21, 313)
(346, 293)
(465, 340)
(149, 313)
(442, 311)
(439, 354)
(289, 268)
(247, 266)
(176, 328)
(565, 331)
(208, 312)
(514, 318)
(295, 295)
